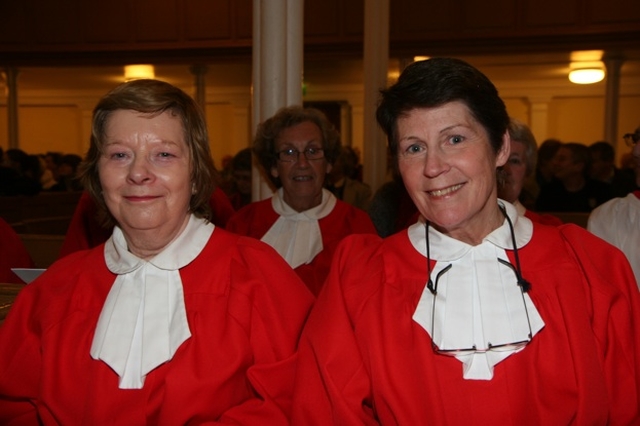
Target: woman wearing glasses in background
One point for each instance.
(474, 314)
(303, 221)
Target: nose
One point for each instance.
(302, 160)
(139, 171)
(435, 163)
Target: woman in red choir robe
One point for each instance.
(303, 221)
(13, 254)
(173, 320)
(474, 314)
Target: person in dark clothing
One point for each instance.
(573, 190)
(603, 168)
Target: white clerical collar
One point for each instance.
(143, 321)
(478, 300)
(296, 235)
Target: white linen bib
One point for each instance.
(478, 300)
(296, 235)
(143, 321)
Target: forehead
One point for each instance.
(299, 134)
(165, 125)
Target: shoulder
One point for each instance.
(249, 215)
(354, 218)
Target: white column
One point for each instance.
(278, 40)
(539, 117)
(376, 64)
(613, 63)
(11, 77)
(199, 72)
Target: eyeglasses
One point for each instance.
(292, 155)
(520, 281)
(631, 138)
(500, 347)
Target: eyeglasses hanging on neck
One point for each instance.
(520, 282)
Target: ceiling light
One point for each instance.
(586, 75)
(135, 72)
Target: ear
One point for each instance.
(274, 172)
(329, 167)
(505, 150)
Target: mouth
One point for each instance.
(140, 197)
(302, 178)
(445, 191)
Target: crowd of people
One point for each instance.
(29, 174)
(449, 296)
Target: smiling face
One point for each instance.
(302, 180)
(515, 171)
(144, 171)
(449, 169)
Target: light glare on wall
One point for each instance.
(586, 75)
(135, 72)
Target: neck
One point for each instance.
(147, 243)
(301, 204)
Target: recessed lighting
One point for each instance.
(586, 75)
(135, 72)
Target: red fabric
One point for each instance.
(13, 254)
(255, 219)
(237, 367)
(543, 218)
(363, 360)
(86, 232)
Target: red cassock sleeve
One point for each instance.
(245, 308)
(363, 360)
(13, 254)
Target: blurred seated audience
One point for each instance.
(302, 221)
(572, 190)
(67, 174)
(519, 167)
(603, 168)
(544, 164)
(19, 174)
(342, 185)
(618, 220)
(13, 254)
(238, 183)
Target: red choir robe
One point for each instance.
(236, 368)
(545, 219)
(364, 360)
(255, 219)
(13, 254)
(86, 232)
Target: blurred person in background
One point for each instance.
(618, 220)
(296, 149)
(517, 170)
(603, 169)
(572, 190)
